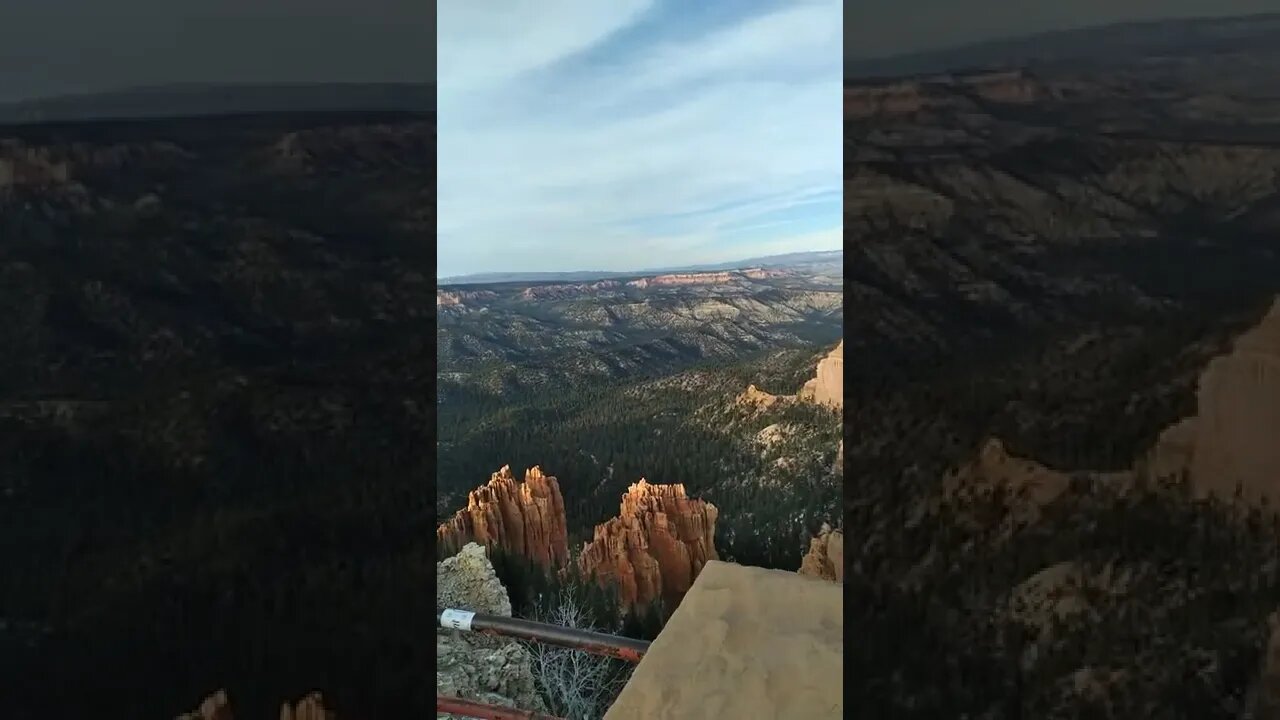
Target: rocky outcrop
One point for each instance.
(459, 298)
(1234, 440)
(754, 396)
(218, 707)
(478, 667)
(1027, 485)
(656, 546)
(746, 643)
(310, 707)
(215, 707)
(22, 166)
(827, 386)
(525, 519)
(825, 558)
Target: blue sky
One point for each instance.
(626, 134)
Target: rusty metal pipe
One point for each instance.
(473, 709)
(622, 648)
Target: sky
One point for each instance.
(889, 27)
(632, 134)
(54, 47)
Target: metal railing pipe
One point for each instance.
(473, 709)
(614, 646)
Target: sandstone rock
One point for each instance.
(825, 558)
(746, 643)
(656, 546)
(310, 707)
(22, 166)
(1234, 440)
(1030, 485)
(488, 669)
(215, 707)
(757, 397)
(525, 519)
(827, 387)
(467, 581)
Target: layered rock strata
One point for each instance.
(525, 519)
(656, 546)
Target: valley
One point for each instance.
(1044, 258)
(216, 408)
(603, 384)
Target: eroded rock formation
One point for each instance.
(1234, 440)
(215, 707)
(827, 386)
(525, 519)
(757, 397)
(478, 667)
(1028, 486)
(24, 166)
(656, 546)
(310, 707)
(825, 558)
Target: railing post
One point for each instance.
(621, 648)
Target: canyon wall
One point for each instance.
(1234, 439)
(525, 519)
(827, 386)
(656, 546)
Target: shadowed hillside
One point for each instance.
(216, 408)
(1050, 256)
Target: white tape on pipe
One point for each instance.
(456, 619)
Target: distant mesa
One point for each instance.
(655, 547)
(942, 92)
(523, 518)
(757, 268)
(197, 100)
(704, 278)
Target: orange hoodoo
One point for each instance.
(656, 546)
(525, 519)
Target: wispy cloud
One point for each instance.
(617, 135)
